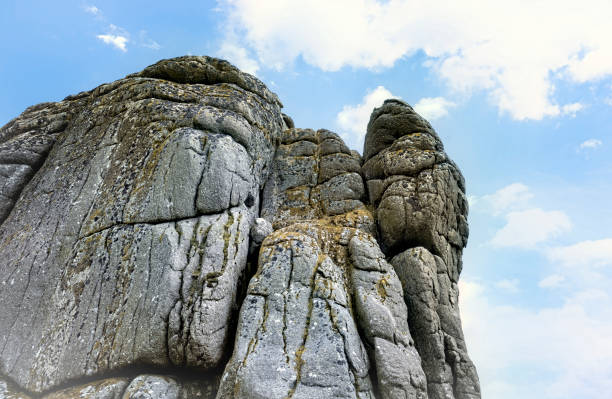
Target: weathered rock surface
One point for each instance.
(421, 211)
(314, 290)
(25, 143)
(173, 235)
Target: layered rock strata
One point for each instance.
(173, 235)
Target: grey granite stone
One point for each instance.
(172, 234)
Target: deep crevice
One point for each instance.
(156, 222)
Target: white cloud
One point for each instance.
(512, 50)
(551, 281)
(562, 351)
(590, 144)
(525, 229)
(597, 59)
(117, 41)
(432, 108)
(511, 286)
(92, 9)
(525, 226)
(512, 197)
(239, 57)
(572, 109)
(353, 119)
(586, 253)
(116, 37)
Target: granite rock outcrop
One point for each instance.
(174, 235)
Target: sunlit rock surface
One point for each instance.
(173, 235)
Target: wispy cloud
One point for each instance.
(432, 108)
(511, 286)
(590, 144)
(119, 37)
(91, 9)
(152, 44)
(572, 109)
(474, 46)
(114, 36)
(145, 41)
(551, 281)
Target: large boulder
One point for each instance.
(129, 244)
(173, 235)
(421, 213)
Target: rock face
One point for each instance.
(173, 235)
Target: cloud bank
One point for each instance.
(526, 229)
(567, 346)
(515, 51)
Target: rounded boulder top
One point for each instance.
(206, 70)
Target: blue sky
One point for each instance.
(520, 92)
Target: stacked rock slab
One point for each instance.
(421, 210)
(321, 279)
(133, 216)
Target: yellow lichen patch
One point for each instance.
(298, 194)
(296, 213)
(226, 237)
(381, 288)
(354, 218)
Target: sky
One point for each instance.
(519, 91)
